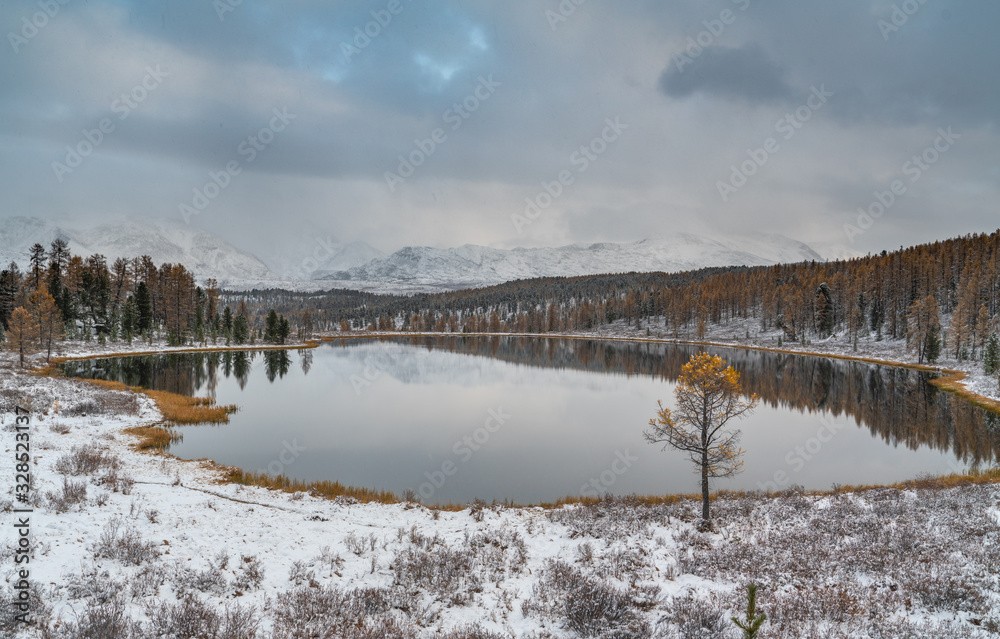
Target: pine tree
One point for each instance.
(36, 262)
(982, 326)
(129, 319)
(932, 344)
(991, 355)
(824, 310)
(143, 308)
(272, 328)
(241, 329)
(751, 625)
(227, 324)
(284, 329)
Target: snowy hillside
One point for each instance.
(302, 255)
(471, 265)
(206, 255)
(317, 260)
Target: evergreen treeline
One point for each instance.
(906, 294)
(940, 297)
(61, 295)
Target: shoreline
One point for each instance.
(949, 380)
(484, 570)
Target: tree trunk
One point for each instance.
(704, 486)
(705, 514)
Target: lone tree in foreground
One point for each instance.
(708, 395)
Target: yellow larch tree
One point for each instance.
(708, 395)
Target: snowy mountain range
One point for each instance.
(321, 262)
(206, 255)
(472, 265)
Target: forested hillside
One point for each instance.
(940, 297)
(913, 293)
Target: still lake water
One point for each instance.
(536, 419)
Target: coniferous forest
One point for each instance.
(912, 293)
(941, 297)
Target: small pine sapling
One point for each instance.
(751, 625)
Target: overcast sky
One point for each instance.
(706, 116)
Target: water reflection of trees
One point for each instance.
(184, 373)
(896, 404)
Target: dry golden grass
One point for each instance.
(153, 437)
(177, 409)
(181, 409)
(115, 386)
(332, 490)
(327, 489)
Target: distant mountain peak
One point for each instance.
(473, 265)
(204, 254)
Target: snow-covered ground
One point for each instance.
(147, 539)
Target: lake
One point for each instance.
(535, 419)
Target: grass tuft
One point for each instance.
(181, 409)
(154, 437)
(177, 409)
(327, 489)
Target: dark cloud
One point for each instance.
(357, 113)
(745, 72)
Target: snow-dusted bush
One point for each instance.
(584, 605)
(499, 554)
(249, 574)
(194, 618)
(93, 583)
(691, 615)
(86, 460)
(439, 570)
(474, 631)
(108, 620)
(610, 519)
(211, 580)
(72, 493)
(330, 612)
(124, 544)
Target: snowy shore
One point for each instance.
(127, 538)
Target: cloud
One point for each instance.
(745, 73)
(357, 115)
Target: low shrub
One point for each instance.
(86, 460)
